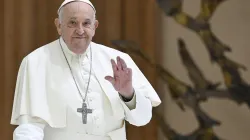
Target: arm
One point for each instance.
(130, 83)
(145, 97)
(29, 129)
(138, 111)
(130, 103)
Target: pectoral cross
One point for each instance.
(84, 110)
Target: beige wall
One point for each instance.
(231, 24)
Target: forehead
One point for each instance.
(78, 10)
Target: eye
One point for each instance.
(72, 22)
(86, 23)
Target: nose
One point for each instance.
(80, 30)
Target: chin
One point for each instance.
(79, 42)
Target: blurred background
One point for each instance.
(191, 45)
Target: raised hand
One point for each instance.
(122, 78)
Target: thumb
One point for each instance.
(110, 79)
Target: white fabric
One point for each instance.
(131, 104)
(95, 99)
(68, 1)
(29, 132)
(95, 129)
(45, 90)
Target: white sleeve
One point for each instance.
(29, 130)
(132, 103)
(142, 113)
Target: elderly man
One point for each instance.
(75, 89)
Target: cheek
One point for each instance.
(90, 32)
(67, 33)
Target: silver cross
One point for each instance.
(84, 110)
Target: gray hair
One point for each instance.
(60, 15)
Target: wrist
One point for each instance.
(127, 98)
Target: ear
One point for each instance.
(96, 24)
(58, 26)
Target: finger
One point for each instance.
(123, 64)
(110, 79)
(119, 63)
(114, 66)
(129, 72)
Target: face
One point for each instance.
(77, 26)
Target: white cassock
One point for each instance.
(46, 97)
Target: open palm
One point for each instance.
(122, 79)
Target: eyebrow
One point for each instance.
(74, 18)
(87, 19)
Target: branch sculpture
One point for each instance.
(199, 25)
(185, 95)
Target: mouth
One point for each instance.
(80, 37)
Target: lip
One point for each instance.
(79, 37)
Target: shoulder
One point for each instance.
(42, 52)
